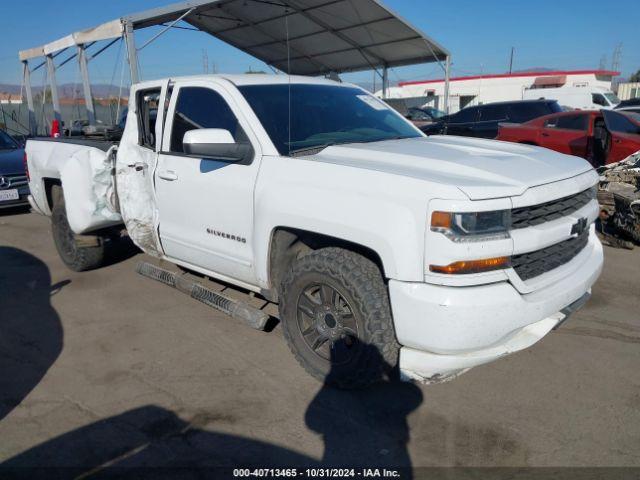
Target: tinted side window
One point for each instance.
(621, 124)
(599, 99)
(465, 115)
(573, 122)
(523, 112)
(200, 107)
(493, 112)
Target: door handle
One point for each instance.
(169, 175)
(545, 134)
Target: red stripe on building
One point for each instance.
(515, 75)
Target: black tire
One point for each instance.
(77, 257)
(353, 328)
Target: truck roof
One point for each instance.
(260, 79)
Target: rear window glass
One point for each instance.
(523, 112)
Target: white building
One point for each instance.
(627, 91)
(480, 89)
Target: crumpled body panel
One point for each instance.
(134, 178)
(85, 172)
(88, 188)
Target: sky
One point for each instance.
(559, 34)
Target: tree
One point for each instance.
(635, 77)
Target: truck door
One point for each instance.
(206, 204)
(136, 162)
(624, 133)
(567, 134)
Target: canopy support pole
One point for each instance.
(27, 86)
(385, 81)
(167, 28)
(54, 88)
(447, 78)
(132, 53)
(86, 85)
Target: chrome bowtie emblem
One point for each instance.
(579, 227)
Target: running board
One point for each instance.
(251, 316)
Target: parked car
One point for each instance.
(577, 98)
(382, 247)
(632, 105)
(421, 116)
(14, 189)
(600, 136)
(482, 120)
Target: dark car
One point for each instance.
(13, 177)
(632, 105)
(632, 102)
(421, 116)
(482, 120)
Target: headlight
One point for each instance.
(473, 226)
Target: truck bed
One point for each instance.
(94, 142)
(84, 167)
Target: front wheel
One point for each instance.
(336, 318)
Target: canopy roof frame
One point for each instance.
(323, 37)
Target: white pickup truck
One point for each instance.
(382, 247)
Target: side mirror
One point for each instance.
(215, 143)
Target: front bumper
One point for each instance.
(445, 330)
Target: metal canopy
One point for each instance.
(324, 36)
(302, 37)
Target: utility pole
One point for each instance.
(603, 62)
(615, 60)
(205, 61)
(511, 61)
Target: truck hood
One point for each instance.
(481, 169)
(11, 162)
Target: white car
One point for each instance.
(384, 248)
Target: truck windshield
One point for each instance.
(317, 116)
(613, 99)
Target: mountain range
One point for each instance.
(67, 90)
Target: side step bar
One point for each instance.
(251, 316)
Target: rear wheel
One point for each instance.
(336, 318)
(78, 252)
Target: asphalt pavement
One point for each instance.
(109, 368)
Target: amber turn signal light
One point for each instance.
(472, 266)
(441, 220)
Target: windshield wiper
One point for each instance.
(319, 148)
(322, 146)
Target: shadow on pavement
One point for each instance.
(366, 428)
(30, 330)
(21, 210)
(119, 250)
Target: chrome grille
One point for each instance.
(12, 181)
(545, 212)
(531, 264)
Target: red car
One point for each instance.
(600, 136)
